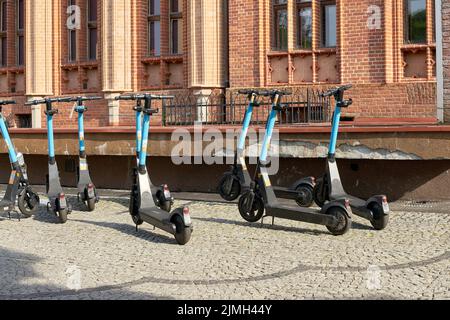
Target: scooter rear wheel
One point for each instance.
(317, 194)
(344, 222)
(256, 211)
(305, 196)
(183, 233)
(380, 220)
(233, 192)
(28, 203)
(62, 215)
(90, 203)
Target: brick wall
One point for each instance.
(370, 58)
(367, 58)
(446, 55)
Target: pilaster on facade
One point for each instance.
(116, 45)
(39, 47)
(207, 42)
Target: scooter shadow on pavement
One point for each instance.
(267, 225)
(129, 229)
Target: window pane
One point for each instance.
(20, 19)
(174, 6)
(4, 48)
(329, 29)
(155, 38)
(72, 45)
(305, 28)
(20, 55)
(4, 16)
(281, 29)
(154, 7)
(174, 36)
(92, 10)
(416, 21)
(92, 43)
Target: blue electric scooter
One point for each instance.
(57, 204)
(161, 194)
(87, 192)
(329, 187)
(145, 204)
(335, 215)
(237, 181)
(18, 185)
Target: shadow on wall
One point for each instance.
(18, 269)
(407, 180)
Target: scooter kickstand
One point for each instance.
(137, 228)
(273, 221)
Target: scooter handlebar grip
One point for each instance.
(161, 97)
(6, 102)
(133, 97)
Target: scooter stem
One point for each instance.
(5, 134)
(245, 127)
(268, 135)
(138, 130)
(334, 132)
(144, 142)
(51, 146)
(81, 133)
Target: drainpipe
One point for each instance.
(439, 63)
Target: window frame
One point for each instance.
(276, 42)
(175, 16)
(91, 25)
(406, 23)
(323, 21)
(153, 18)
(299, 7)
(70, 41)
(20, 34)
(3, 33)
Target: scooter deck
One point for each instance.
(299, 214)
(158, 218)
(358, 205)
(285, 193)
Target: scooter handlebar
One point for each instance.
(47, 100)
(271, 93)
(334, 91)
(144, 96)
(7, 102)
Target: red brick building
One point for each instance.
(202, 48)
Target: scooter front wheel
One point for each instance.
(343, 221)
(379, 220)
(305, 196)
(28, 202)
(229, 187)
(183, 233)
(251, 212)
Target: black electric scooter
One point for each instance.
(329, 187)
(143, 202)
(18, 185)
(335, 215)
(237, 181)
(57, 204)
(87, 193)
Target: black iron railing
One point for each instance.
(305, 106)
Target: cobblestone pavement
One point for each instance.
(226, 258)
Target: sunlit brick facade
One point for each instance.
(386, 48)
